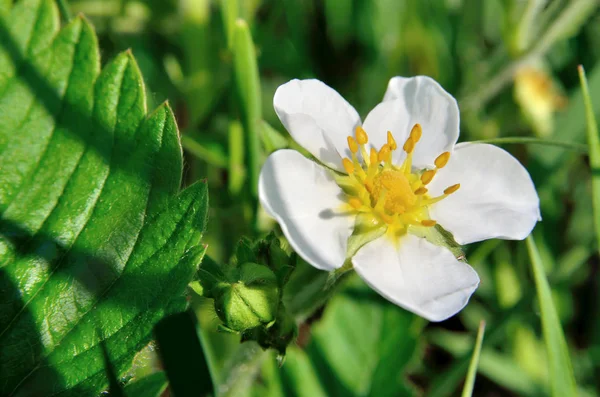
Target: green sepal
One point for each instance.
(277, 336)
(441, 237)
(270, 252)
(366, 229)
(245, 251)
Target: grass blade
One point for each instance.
(561, 370)
(594, 149)
(248, 87)
(470, 381)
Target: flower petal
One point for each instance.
(306, 202)
(388, 116)
(496, 199)
(420, 277)
(318, 118)
(422, 100)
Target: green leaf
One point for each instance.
(150, 386)
(362, 346)
(470, 381)
(96, 244)
(559, 362)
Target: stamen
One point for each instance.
(427, 176)
(442, 160)
(374, 157)
(452, 189)
(380, 201)
(355, 203)
(361, 136)
(352, 145)
(395, 196)
(416, 132)
(348, 166)
(384, 153)
(409, 145)
(391, 141)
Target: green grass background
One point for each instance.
(218, 63)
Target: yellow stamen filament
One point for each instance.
(427, 176)
(442, 160)
(355, 203)
(348, 166)
(416, 132)
(361, 136)
(391, 141)
(391, 195)
(452, 189)
(352, 145)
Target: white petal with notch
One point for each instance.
(422, 100)
(318, 118)
(416, 275)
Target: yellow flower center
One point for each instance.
(391, 195)
(399, 197)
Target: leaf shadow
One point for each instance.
(13, 371)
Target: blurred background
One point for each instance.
(511, 64)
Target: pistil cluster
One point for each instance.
(387, 194)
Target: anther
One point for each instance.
(352, 145)
(416, 132)
(442, 160)
(409, 145)
(421, 191)
(428, 222)
(348, 166)
(374, 157)
(384, 153)
(391, 141)
(361, 136)
(355, 203)
(427, 176)
(452, 189)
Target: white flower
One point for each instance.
(400, 189)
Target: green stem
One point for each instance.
(202, 152)
(65, 11)
(577, 147)
(572, 16)
(470, 381)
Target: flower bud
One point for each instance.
(250, 301)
